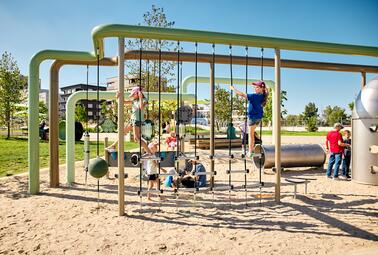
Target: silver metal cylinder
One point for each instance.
(292, 155)
(365, 135)
(86, 151)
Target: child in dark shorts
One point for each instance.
(152, 170)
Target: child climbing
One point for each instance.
(256, 103)
(138, 102)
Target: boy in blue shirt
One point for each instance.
(256, 103)
(199, 168)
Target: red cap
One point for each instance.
(260, 84)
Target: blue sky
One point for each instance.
(30, 26)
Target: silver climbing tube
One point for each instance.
(86, 151)
(292, 155)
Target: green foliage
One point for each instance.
(200, 131)
(310, 117)
(334, 114)
(11, 86)
(80, 113)
(311, 124)
(155, 17)
(351, 106)
(21, 114)
(43, 111)
(240, 105)
(15, 160)
(167, 110)
(222, 107)
(293, 120)
(268, 109)
(109, 111)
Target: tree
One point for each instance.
(43, 111)
(156, 17)
(11, 85)
(268, 109)
(310, 117)
(351, 106)
(292, 120)
(223, 106)
(80, 113)
(335, 114)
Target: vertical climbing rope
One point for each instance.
(140, 123)
(229, 130)
(245, 124)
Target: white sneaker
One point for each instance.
(342, 177)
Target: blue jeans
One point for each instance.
(346, 165)
(334, 159)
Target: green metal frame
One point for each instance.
(99, 33)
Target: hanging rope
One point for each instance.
(245, 123)
(87, 98)
(98, 104)
(159, 110)
(178, 141)
(262, 79)
(181, 101)
(230, 124)
(140, 118)
(98, 122)
(195, 99)
(212, 125)
(148, 85)
(86, 134)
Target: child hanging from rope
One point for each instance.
(256, 103)
(138, 103)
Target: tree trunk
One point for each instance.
(8, 123)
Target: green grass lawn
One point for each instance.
(296, 133)
(14, 154)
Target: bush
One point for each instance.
(311, 124)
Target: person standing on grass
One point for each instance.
(335, 146)
(256, 103)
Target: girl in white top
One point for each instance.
(152, 170)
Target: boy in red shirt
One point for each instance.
(335, 146)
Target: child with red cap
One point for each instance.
(256, 103)
(138, 102)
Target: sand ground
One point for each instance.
(334, 217)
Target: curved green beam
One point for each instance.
(222, 80)
(33, 98)
(174, 34)
(92, 95)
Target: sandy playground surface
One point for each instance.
(334, 217)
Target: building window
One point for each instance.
(90, 105)
(90, 113)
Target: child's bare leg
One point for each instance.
(126, 130)
(251, 139)
(150, 186)
(137, 138)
